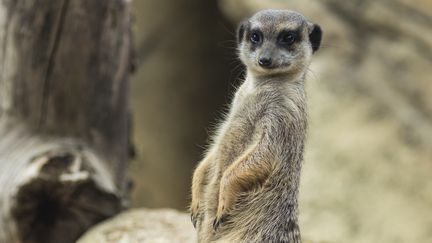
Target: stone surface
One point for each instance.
(143, 225)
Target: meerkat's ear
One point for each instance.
(315, 36)
(241, 30)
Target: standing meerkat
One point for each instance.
(246, 187)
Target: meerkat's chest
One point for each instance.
(237, 132)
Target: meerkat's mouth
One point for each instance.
(273, 67)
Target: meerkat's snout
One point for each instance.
(265, 62)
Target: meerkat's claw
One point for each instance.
(194, 219)
(218, 221)
(194, 213)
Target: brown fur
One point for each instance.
(246, 187)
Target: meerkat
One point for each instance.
(246, 187)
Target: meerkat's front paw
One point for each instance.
(194, 214)
(194, 219)
(221, 214)
(219, 221)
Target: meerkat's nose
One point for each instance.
(265, 61)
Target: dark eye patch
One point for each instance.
(256, 37)
(288, 37)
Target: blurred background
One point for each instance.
(367, 174)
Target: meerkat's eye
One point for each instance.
(288, 38)
(255, 37)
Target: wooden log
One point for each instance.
(64, 69)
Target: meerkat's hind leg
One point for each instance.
(198, 182)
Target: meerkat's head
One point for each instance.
(277, 42)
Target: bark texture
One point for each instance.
(64, 67)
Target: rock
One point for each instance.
(146, 226)
(143, 225)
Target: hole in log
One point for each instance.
(57, 164)
(50, 210)
(46, 211)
